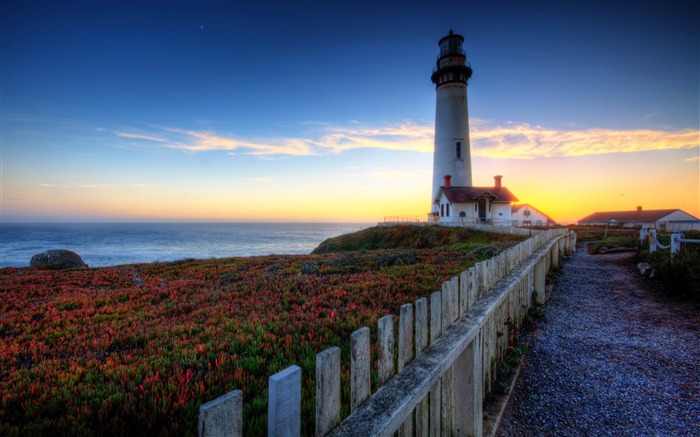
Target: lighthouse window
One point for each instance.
(458, 149)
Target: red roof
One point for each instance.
(471, 194)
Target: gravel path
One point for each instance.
(613, 358)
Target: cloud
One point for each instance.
(202, 141)
(693, 158)
(81, 185)
(523, 141)
(141, 137)
(512, 140)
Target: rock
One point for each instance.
(57, 259)
(653, 274)
(644, 268)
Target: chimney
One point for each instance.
(448, 180)
(639, 208)
(497, 180)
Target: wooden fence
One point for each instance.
(449, 348)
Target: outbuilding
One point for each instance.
(664, 220)
(527, 215)
(473, 205)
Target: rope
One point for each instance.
(653, 235)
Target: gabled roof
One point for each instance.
(516, 208)
(471, 194)
(635, 216)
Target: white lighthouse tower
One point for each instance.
(455, 200)
(452, 149)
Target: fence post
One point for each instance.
(222, 417)
(463, 290)
(643, 233)
(327, 390)
(435, 391)
(676, 242)
(422, 409)
(385, 336)
(652, 241)
(360, 381)
(540, 281)
(406, 354)
(454, 299)
(469, 390)
(284, 403)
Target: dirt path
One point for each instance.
(613, 358)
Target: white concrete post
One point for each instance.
(676, 242)
(652, 241)
(222, 417)
(284, 403)
(643, 233)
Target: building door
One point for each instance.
(482, 210)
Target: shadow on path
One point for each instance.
(613, 358)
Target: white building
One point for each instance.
(473, 205)
(527, 215)
(660, 219)
(454, 199)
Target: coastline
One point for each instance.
(114, 244)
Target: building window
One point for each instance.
(442, 210)
(458, 149)
(526, 213)
(448, 210)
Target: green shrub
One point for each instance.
(680, 273)
(611, 242)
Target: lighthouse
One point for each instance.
(452, 154)
(455, 200)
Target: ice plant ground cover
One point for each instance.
(136, 349)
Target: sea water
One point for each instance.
(106, 244)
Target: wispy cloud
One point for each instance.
(693, 158)
(512, 140)
(81, 185)
(523, 141)
(141, 137)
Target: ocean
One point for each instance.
(107, 244)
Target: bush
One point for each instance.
(611, 242)
(680, 273)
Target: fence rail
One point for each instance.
(402, 219)
(677, 240)
(449, 348)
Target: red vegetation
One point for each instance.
(137, 349)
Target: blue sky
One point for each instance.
(323, 111)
